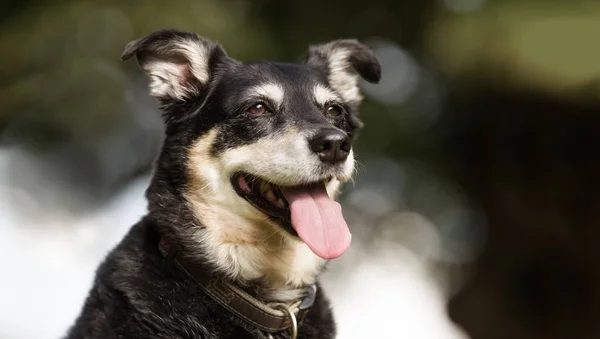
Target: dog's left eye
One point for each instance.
(257, 109)
(333, 110)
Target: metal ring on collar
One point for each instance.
(292, 317)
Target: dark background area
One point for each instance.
(484, 126)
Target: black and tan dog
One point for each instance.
(241, 215)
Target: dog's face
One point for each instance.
(266, 145)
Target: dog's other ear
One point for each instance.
(179, 64)
(342, 60)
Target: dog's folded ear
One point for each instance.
(343, 61)
(179, 64)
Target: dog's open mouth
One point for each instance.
(263, 195)
(305, 210)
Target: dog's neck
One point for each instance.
(254, 253)
(261, 256)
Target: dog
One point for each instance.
(241, 214)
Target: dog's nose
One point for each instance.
(331, 145)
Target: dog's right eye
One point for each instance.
(257, 109)
(333, 111)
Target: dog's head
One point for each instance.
(265, 145)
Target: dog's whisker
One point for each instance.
(358, 165)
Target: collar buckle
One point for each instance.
(292, 317)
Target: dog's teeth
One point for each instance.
(280, 203)
(264, 187)
(271, 196)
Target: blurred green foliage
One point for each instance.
(61, 78)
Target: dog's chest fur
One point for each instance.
(138, 293)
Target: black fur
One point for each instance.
(139, 294)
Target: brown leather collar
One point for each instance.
(253, 312)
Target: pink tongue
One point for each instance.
(318, 220)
